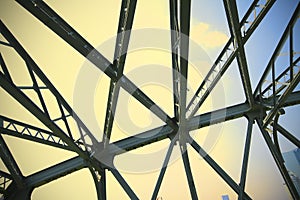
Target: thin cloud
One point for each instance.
(205, 35)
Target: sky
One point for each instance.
(85, 88)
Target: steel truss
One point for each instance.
(263, 106)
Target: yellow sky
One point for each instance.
(97, 22)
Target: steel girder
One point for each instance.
(253, 109)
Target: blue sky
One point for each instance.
(209, 29)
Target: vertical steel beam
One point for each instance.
(174, 26)
(278, 161)
(185, 9)
(235, 29)
(163, 169)
(11, 164)
(122, 41)
(245, 159)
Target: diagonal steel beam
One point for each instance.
(282, 99)
(287, 135)
(124, 184)
(39, 114)
(54, 172)
(234, 26)
(278, 48)
(5, 181)
(281, 79)
(217, 168)
(25, 131)
(122, 42)
(225, 58)
(52, 20)
(4, 68)
(163, 169)
(11, 164)
(29, 61)
(279, 162)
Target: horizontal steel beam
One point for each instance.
(54, 172)
(197, 122)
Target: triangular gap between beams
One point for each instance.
(131, 118)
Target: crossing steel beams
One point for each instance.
(260, 106)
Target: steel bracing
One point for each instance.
(276, 90)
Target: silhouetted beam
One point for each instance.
(100, 183)
(121, 47)
(288, 135)
(279, 162)
(4, 68)
(278, 48)
(245, 159)
(282, 98)
(140, 140)
(184, 8)
(11, 164)
(219, 116)
(31, 133)
(5, 179)
(174, 26)
(38, 113)
(217, 168)
(280, 77)
(226, 63)
(235, 29)
(55, 172)
(188, 171)
(292, 99)
(29, 61)
(51, 19)
(197, 122)
(163, 169)
(124, 184)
